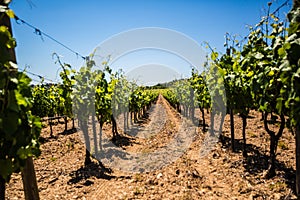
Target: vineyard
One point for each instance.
(231, 131)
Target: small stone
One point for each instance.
(196, 174)
(189, 185)
(277, 196)
(150, 181)
(159, 176)
(215, 156)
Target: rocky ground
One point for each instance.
(217, 174)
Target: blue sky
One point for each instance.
(83, 25)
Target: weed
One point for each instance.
(252, 135)
(282, 145)
(138, 178)
(53, 159)
(137, 191)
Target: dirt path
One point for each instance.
(221, 174)
(157, 118)
(156, 144)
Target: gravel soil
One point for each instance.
(218, 174)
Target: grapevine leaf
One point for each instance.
(10, 13)
(214, 55)
(271, 73)
(281, 52)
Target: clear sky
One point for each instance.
(83, 25)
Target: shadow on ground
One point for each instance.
(257, 163)
(92, 170)
(123, 140)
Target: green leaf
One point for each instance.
(250, 74)
(270, 36)
(214, 56)
(67, 72)
(281, 52)
(10, 13)
(287, 45)
(271, 73)
(293, 28)
(24, 153)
